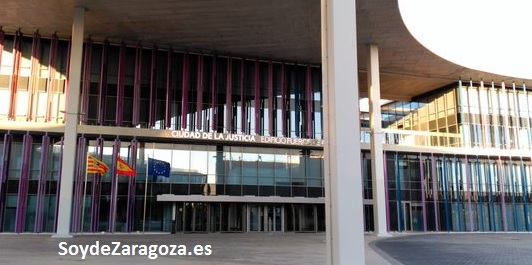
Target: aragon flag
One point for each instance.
(95, 166)
(122, 168)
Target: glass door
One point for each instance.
(196, 217)
(412, 216)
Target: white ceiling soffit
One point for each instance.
(486, 35)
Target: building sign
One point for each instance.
(239, 138)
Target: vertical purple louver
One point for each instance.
(271, 98)
(102, 86)
(13, 82)
(32, 85)
(423, 192)
(199, 96)
(130, 211)
(41, 186)
(386, 190)
(67, 73)
(20, 218)
(114, 188)
(503, 194)
(229, 96)
(310, 102)
(86, 85)
(58, 183)
(2, 38)
(6, 156)
(435, 191)
(468, 195)
(153, 88)
(120, 85)
(77, 207)
(51, 75)
(136, 85)
(243, 96)
(284, 119)
(168, 105)
(184, 88)
(96, 190)
(214, 94)
(257, 98)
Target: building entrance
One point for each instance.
(412, 216)
(267, 218)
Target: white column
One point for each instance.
(377, 160)
(343, 183)
(72, 117)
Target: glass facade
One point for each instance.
(227, 185)
(436, 192)
(161, 89)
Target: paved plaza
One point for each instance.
(273, 248)
(463, 249)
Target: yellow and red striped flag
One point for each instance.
(95, 166)
(122, 168)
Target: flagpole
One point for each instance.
(84, 194)
(115, 195)
(145, 196)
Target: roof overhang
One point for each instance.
(278, 30)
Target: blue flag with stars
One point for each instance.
(158, 168)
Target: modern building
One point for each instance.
(230, 95)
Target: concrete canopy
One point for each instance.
(282, 30)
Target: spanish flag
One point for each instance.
(95, 166)
(122, 168)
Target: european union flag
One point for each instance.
(158, 168)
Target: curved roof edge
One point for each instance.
(473, 33)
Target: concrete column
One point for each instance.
(72, 119)
(377, 160)
(343, 182)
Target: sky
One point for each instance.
(494, 36)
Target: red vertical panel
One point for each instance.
(17, 52)
(136, 85)
(229, 96)
(270, 99)
(257, 97)
(242, 97)
(214, 95)
(120, 85)
(153, 88)
(199, 91)
(309, 102)
(85, 93)
(67, 76)
(32, 88)
(184, 99)
(51, 75)
(283, 101)
(168, 105)
(102, 89)
(1, 45)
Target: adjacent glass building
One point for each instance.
(244, 141)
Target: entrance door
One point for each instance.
(412, 216)
(267, 218)
(196, 217)
(273, 218)
(232, 217)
